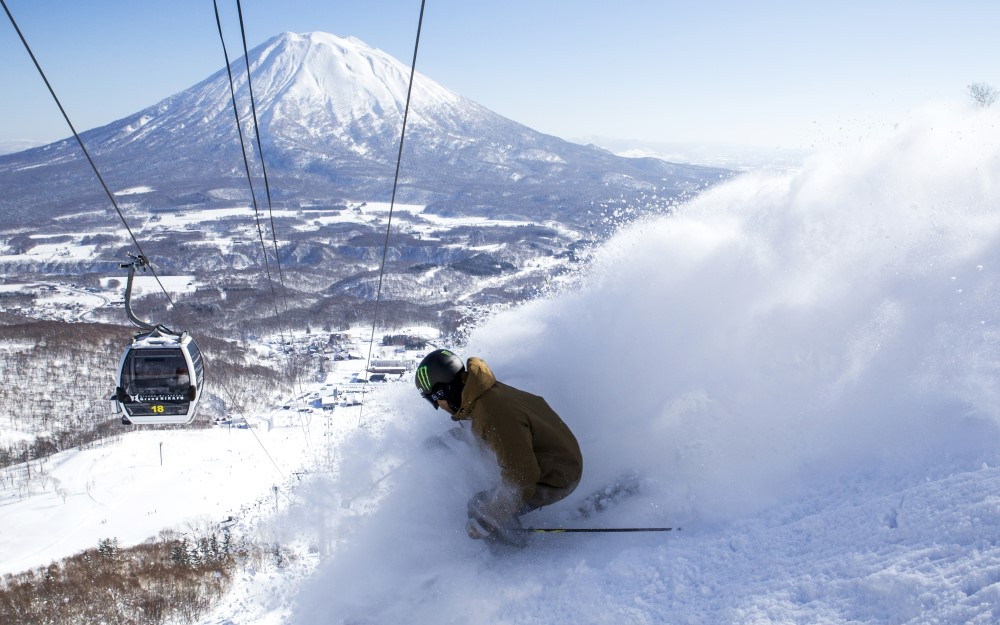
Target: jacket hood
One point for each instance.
(478, 378)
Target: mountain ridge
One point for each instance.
(330, 113)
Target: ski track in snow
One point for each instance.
(802, 368)
(869, 549)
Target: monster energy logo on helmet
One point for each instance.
(423, 380)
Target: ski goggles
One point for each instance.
(437, 395)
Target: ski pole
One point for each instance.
(559, 530)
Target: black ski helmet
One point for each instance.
(437, 371)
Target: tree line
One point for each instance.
(171, 578)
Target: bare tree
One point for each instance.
(983, 94)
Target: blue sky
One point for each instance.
(775, 73)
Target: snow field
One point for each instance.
(123, 491)
(803, 369)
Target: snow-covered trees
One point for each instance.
(983, 94)
(168, 579)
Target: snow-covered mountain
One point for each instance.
(493, 209)
(330, 111)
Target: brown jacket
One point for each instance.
(532, 444)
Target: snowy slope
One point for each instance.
(170, 479)
(123, 491)
(802, 367)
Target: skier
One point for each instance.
(539, 458)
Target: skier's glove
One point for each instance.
(447, 442)
(477, 530)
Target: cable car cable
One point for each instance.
(246, 166)
(395, 184)
(83, 147)
(260, 151)
(239, 409)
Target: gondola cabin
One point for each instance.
(160, 379)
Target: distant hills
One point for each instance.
(9, 147)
